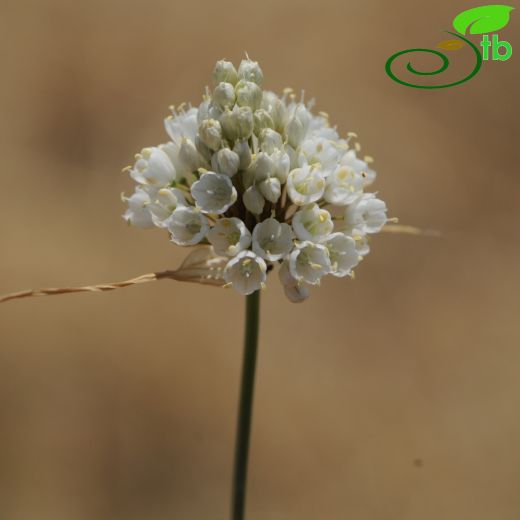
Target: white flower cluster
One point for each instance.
(263, 180)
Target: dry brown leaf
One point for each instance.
(200, 266)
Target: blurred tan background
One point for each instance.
(391, 397)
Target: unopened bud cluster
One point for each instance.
(261, 179)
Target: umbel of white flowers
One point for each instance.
(261, 179)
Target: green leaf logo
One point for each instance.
(484, 19)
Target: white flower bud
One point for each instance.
(270, 140)
(203, 150)
(261, 168)
(297, 126)
(224, 71)
(229, 236)
(294, 157)
(224, 95)
(225, 161)
(343, 254)
(272, 240)
(250, 71)
(248, 94)
(187, 226)
(271, 189)
(210, 133)
(246, 272)
(305, 185)
(262, 120)
(276, 109)
(243, 151)
(237, 123)
(214, 193)
(253, 200)
(244, 123)
(295, 291)
(312, 223)
(281, 164)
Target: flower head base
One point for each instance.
(261, 179)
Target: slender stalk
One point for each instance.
(245, 408)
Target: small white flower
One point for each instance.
(164, 204)
(309, 262)
(224, 95)
(312, 223)
(246, 272)
(366, 215)
(214, 193)
(250, 71)
(344, 186)
(229, 236)
(253, 200)
(226, 161)
(305, 185)
(271, 189)
(272, 240)
(153, 167)
(362, 245)
(138, 213)
(343, 254)
(225, 71)
(210, 133)
(248, 94)
(187, 226)
(295, 291)
(182, 124)
(361, 167)
(321, 151)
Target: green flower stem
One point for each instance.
(245, 408)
